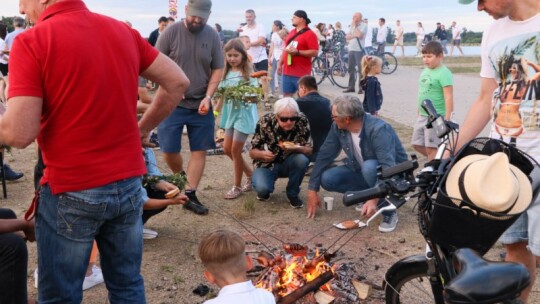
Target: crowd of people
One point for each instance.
(72, 218)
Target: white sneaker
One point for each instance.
(36, 278)
(94, 279)
(149, 234)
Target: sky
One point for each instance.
(143, 14)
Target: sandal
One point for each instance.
(233, 193)
(248, 186)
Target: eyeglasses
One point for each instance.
(285, 119)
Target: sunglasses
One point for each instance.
(285, 119)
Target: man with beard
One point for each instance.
(300, 47)
(257, 36)
(510, 56)
(196, 48)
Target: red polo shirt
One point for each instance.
(301, 65)
(85, 68)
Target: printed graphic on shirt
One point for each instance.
(515, 105)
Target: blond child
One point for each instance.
(373, 97)
(435, 84)
(223, 255)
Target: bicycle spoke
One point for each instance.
(417, 290)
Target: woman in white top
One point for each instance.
(420, 34)
(277, 43)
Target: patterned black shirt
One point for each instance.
(269, 133)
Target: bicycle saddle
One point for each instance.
(483, 282)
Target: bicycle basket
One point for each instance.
(458, 223)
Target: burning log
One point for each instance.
(307, 288)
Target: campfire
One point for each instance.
(295, 273)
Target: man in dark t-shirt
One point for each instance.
(317, 110)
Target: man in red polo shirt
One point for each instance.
(301, 46)
(78, 97)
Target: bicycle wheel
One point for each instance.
(410, 285)
(318, 69)
(389, 63)
(340, 74)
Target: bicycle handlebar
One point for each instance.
(354, 197)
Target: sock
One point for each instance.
(190, 192)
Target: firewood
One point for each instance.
(323, 298)
(309, 287)
(364, 290)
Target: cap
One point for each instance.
(199, 8)
(466, 1)
(302, 14)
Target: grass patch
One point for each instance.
(167, 268)
(469, 64)
(464, 69)
(249, 205)
(178, 279)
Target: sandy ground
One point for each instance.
(170, 266)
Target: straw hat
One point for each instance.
(491, 183)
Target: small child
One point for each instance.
(223, 255)
(373, 97)
(239, 118)
(435, 84)
(155, 201)
(246, 41)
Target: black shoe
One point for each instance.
(296, 202)
(10, 174)
(349, 91)
(194, 205)
(263, 198)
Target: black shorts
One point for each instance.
(4, 69)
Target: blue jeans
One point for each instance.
(294, 167)
(342, 179)
(66, 226)
(273, 80)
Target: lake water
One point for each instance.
(410, 50)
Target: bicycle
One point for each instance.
(336, 72)
(389, 61)
(452, 270)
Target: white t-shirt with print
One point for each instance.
(511, 56)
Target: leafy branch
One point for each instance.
(177, 179)
(241, 92)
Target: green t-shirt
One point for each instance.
(430, 86)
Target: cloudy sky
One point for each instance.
(230, 13)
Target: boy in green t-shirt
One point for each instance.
(435, 84)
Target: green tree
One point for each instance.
(8, 21)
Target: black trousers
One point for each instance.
(148, 213)
(13, 265)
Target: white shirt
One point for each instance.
(3, 58)
(369, 37)
(278, 44)
(357, 149)
(258, 53)
(455, 32)
(382, 33)
(420, 33)
(242, 293)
